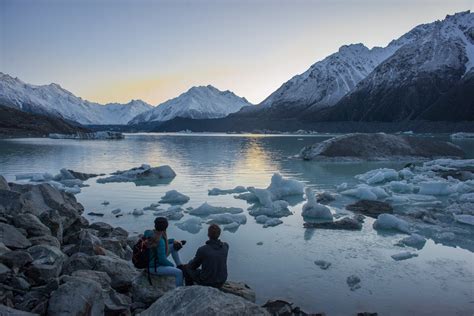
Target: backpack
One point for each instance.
(141, 256)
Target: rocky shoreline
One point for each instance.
(54, 262)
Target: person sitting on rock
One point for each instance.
(160, 248)
(212, 258)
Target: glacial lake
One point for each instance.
(440, 281)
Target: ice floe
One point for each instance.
(281, 187)
(378, 176)
(403, 256)
(313, 209)
(206, 209)
(143, 173)
(237, 189)
(274, 209)
(173, 213)
(268, 221)
(192, 225)
(391, 222)
(464, 219)
(366, 192)
(414, 240)
(174, 197)
(227, 218)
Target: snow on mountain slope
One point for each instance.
(201, 102)
(53, 100)
(413, 83)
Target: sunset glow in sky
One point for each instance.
(114, 51)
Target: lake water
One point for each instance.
(438, 282)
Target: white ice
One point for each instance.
(404, 256)
(173, 213)
(237, 189)
(227, 218)
(174, 197)
(313, 209)
(192, 225)
(464, 219)
(378, 176)
(281, 187)
(414, 240)
(275, 209)
(391, 222)
(140, 173)
(366, 192)
(268, 221)
(206, 209)
(435, 188)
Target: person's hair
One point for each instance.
(214, 231)
(161, 224)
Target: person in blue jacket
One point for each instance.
(160, 248)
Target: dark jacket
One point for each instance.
(212, 258)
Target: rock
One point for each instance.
(354, 282)
(45, 240)
(120, 271)
(143, 292)
(33, 226)
(260, 243)
(239, 289)
(103, 229)
(16, 259)
(77, 297)
(11, 202)
(98, 276)
(47, 263)
(95, 214)
(119, 233)
(345, 223)
(324, 197)
(376, 146)
(284, 308)
(5, 310)
(403, 256)
(12, 238)
(324, 265)
(117, 304)
(4, 269)
(118, 247)
(54, 222)
(3, 248)
(78, 261)
(370, 208)
(83, 241)
(4, 184)
(82, 176)
(202, 300)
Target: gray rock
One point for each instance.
(11, 202)
(78, 261)
(45, 240)
(239, 289)
(324, 265)
(116, 304)
(47, 263)
(370, 208)
(143, 292)
(4, 269)
(77, 297)
(5, 310)
(53, 221)
(118, 247)
(4, 184)
(346, 223)
(119, 233)
(83, 241)
(12, 237)
(98, 276)
(202, 300)
(102, 228)
(16, 259)
(3, 248)
(284, 308)
(82, 176)
(33, 226)
(120, 271)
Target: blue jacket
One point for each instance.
(159, 253)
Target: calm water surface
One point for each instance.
(438, 282)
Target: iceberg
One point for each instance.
(142, 173)
(280, 187)
(434, 188)
(173, 213)
(275, 209)
(227, 218)
(378, 176)
(237, 189)
(464, 219)
(137, 212)
(391, 222)
(192, 225)
(174, 197)
(268, 221)
(401, 186)
(365, 192)
(206, 209)
(414, 240)
(313, 209)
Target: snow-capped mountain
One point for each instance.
(328, 81)
(203, 102)
(415, 82)
(53, 100)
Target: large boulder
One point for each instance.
(84, 241)
(376, 146)
(239, 289)
(47, 263)
(370, 208)
(12, 237)
(77, 297)
(11, 202)
(4, 184)
(202, 300)
(98, 276)
(5, 310)
(16, 259)
(78, 261)
(102, 228)
(45, 240)
(118, 247)
(53, 221)
(143, 291)
(116, 303)
(33, 226)
(120, 271)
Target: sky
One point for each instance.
(116, 50)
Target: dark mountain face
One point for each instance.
(16, 123)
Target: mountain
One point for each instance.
(53, 100)
(430, 78)
(201, 102)
(16, 123)
(407, 79)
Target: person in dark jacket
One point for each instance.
(209, 266)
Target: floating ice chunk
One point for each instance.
(72, 182)
(401, 187)
(248, 196)
(263, 196)
(206, 209)
(464, 219)
(237, 189)
(403, 256)
(116, 211)
(354, 282)
(36, 176)
(438, 164)
(137, 212)
(415, 241)
(391, 222)
(105, 203)
(378, 176)
(227, 218)
(174, 197)
(192, 225)
(434, 188)
(280, 187)
(74, 190)
(276, 209)
(173, 213)
(467, 197)
(232, 227)
(144, 172)
(268, 221)
(313, 209)
(365, 192)
(324, 265)
(462, 135)
(406, 174)
(398, 199)
(446, 236)
(342, 187)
